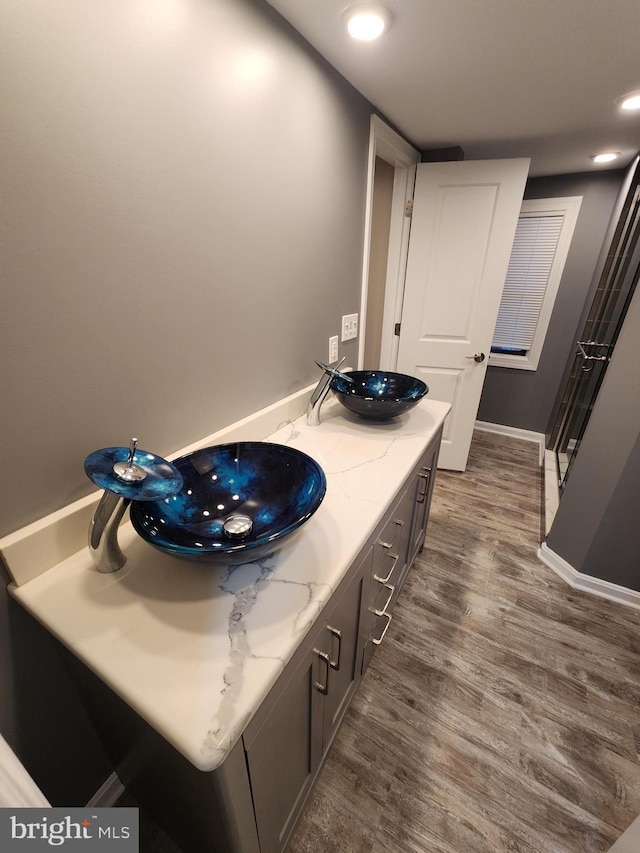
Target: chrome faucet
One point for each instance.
(124, 477)
(103, 529)
(322, 389)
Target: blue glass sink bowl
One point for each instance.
(378, 394)
(277, 487)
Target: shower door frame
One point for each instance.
(595, 347)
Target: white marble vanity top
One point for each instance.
(194, 648)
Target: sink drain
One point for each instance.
(237, 526)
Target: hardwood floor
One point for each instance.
(502, 711)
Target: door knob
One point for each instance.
(479, 357)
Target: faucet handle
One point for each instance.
(129, 471)
(132, 450)
(333, 371)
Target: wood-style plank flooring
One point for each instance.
(502, 711)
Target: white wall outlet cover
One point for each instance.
(333, 349)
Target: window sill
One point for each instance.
(518, 362)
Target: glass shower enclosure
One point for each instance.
(595, 347)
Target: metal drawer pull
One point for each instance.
(324, 688)
(391, 589)
(381, 638)
(335, 633)
(395, 558)
(425, 478)
(400, 524)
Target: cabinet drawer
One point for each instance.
(381, 602)
(391, 544)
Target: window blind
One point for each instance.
(532, 255)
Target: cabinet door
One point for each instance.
(285, 745)
(284, 755)
(345, 636)
(423, 490)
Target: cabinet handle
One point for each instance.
(338, 634)
(381, 637)
(423, 478)
(324, 688)
(391, 589)
(395, 558)
(400, 524)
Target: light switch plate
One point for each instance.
(349, 327)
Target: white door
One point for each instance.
(464, 219)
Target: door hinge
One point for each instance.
(396, 329)
(408, 208)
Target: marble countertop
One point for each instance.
(195, 648)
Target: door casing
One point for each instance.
(385, 143)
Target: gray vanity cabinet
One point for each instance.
(290, 734)
(396, 547)
(288, 738)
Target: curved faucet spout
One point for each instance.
(322, 389)
(103, 533)
(317, 399)
(125, 474)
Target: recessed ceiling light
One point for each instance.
(605, 156)
(366, 21)
(631, 102)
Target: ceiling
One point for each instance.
(500, 78)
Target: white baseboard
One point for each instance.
(538, 438)
(108, 793)
(587, 583)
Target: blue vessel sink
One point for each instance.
(239, 502)
(378, 394)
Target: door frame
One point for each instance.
(385, 143)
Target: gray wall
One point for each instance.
(525, 399)
(184, 189)
(614, 553)
(596, 527)
(184, 186)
